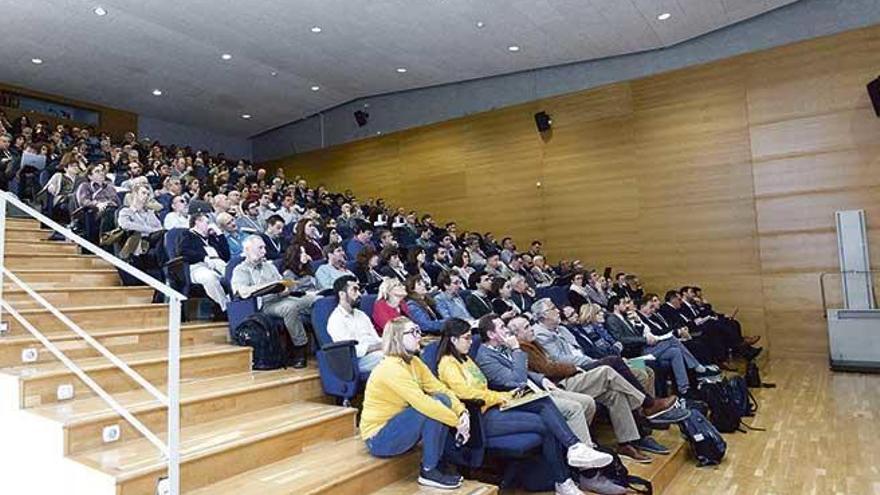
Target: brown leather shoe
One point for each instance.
(727, 366)
(629, 452)
(751, 339)
(659, 407)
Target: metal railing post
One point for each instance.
(2, 249)
(174, 396)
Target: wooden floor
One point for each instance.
(822, 436)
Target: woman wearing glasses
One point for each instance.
(561, 447)
(404, 404)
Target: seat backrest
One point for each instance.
(172, 242)
(429, 356)
(557, 294)
(230, 267)
(366, 304)
(320, 314)
(317, 264)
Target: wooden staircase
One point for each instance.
(242, 432)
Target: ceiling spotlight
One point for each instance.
(664, 16)
(316, 29)
(245, 115)
(315, 88)
(226, 56)
(401, 69)
(513, 48)
(36, 61)
(481, 24)
(157, 92)
(274, 73)
(100, 11)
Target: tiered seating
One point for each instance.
(270, 432)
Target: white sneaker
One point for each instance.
(582, 456)
(569, 487)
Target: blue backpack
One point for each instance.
(705, 441)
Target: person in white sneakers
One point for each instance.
(458, 372)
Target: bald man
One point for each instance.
(255, 272)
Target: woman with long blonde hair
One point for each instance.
(404, 404)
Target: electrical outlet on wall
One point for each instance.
(163, 487)
(29, 355)
(65, 392)
(111, 433)
(4, 327)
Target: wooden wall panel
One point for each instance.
(725, 175)
(113, 121)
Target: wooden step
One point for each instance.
(21, 222)
(119, 341)
(220, 449)
(38, 247)
(664, 467)
(35, 385)
(42, 279)
(54, 261)
(202, 400)
(410, 486)
(341, 468)
(16, 233)
(91, 318)
(68, 297)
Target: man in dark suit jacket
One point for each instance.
(668, 352)
(672, 311)
(479, 302)
(726, 330)
(275, 242)
(206, 252)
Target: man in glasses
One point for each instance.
(349, 323)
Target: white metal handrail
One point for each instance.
(89, 339)
(97, 251)
(170, 449)
(117, 407)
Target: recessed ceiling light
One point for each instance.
(274, 73)
(101, 11)
(481, 24)
(36, 61)
(226, 56)
(316, 29)
(513, 48)
(245, 115)
(401, 69)
(664, 16)
(157, 92)
(315, 88)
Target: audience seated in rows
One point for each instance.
(466, 380)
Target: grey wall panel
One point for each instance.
(397, 111)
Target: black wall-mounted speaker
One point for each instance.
(361, 117)
(543, 121)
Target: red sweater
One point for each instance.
(383, 313)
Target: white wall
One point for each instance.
(183, 135)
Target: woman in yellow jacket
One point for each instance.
(405, 403)
(458, 372)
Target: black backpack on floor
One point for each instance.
(705, 441)
(261, 332)
(619, 474)
(724, 410)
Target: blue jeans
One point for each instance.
(676, 355)
(404, 431)
(498, 423)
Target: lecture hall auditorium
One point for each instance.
(442, 247)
